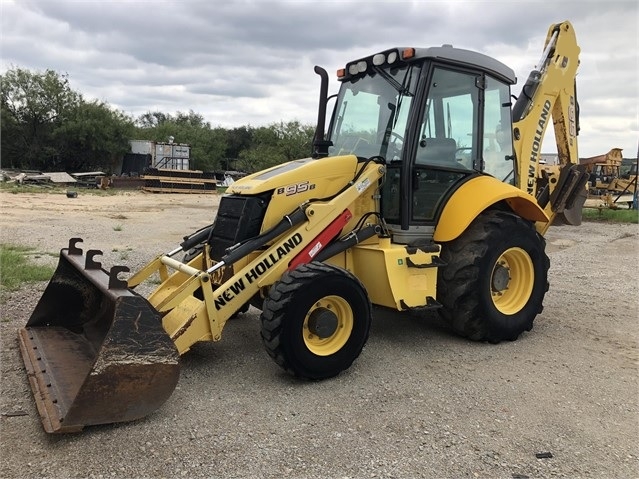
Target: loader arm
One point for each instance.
(189, 317)
(550, 92)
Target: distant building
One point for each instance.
(155, 154)
(549, 159)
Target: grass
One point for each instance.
(118, 228)
(17, 269)
(124, 255)
(611, 216)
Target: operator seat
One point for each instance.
(433, 175)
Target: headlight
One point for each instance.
(379, 59)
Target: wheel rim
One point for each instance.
(512, 280)
(316, 337)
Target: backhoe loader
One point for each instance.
(424, 193)
(606, 180)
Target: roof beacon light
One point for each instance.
(408, 53)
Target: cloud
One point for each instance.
(251, 62)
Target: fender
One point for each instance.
(477, 194)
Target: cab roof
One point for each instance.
(445, 54)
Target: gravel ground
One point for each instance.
(419, 402)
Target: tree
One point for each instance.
(45, 125)
(48, 126)
(238, 139)
(295, 139)
(191, 119)
(94, 137)
(277, 143)
(152, 119)
(33, 104)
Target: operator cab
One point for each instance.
(436, 117)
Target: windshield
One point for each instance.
(371, 113)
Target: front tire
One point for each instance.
(316, 320)
(495, 279)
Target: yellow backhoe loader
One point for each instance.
(607, 182)
(424, 193)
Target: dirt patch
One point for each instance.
(419, 402)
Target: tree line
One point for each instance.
(47, 126)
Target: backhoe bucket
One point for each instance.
(95, 351)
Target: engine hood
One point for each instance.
(323, 176)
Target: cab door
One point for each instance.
(446, 147)
(447, 141)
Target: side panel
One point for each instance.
(475, 196)
(395, 277)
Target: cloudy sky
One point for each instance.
(251, 62)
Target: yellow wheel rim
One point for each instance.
(328, 325)
(512, 280)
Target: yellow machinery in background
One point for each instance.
(607, 182)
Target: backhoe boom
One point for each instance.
(550, 93)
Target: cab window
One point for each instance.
(448, 130)
(498, 139)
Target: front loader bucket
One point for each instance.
(95, 351)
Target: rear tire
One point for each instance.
(495, 279)
(316, 320)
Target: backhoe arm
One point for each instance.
(550, 91)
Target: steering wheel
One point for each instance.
(395, 145)
(462, 156)
(394, 139)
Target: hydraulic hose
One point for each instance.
(196, 238)
(348, 241)
(526, 98)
